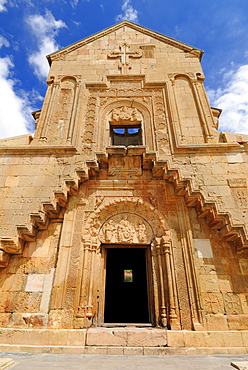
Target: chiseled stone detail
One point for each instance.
(126, 228)
(125, 113)
(68, 196)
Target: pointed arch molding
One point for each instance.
(205, 208)
(126, 228)
(100, 225)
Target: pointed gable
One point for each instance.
(119, 27)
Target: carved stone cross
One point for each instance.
(124, 54)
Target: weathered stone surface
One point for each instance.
(240, 365)
(237, 322)
(6, 362)
(125, 156)
(146, 338)
(107, 337)
(34, 283)
(217, 322)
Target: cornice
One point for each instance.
(38, 149)
(211, 148)
(180, 149)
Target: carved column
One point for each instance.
(203, 118)
(160, 310)
(162, 278)
(171, 282)
(87, 305)
(175, 120)
(210, 122)
(190, 269)
(82, 310)
(91, 307)
(52, 89)
(73, 114)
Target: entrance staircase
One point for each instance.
(123, 341)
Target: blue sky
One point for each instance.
(31, 29)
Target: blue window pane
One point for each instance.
(133, 130)
(119, 130)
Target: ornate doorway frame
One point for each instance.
(133, 221)
(150, 291)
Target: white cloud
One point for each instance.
(4, 42)
(2, 7)
(15, 109)
(129, 13)
(74, 3)
(45, 28)
(233, 100)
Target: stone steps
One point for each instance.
(126, 351)
(123, 341)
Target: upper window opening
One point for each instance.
(126, 135)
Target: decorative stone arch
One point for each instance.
(103, 135)
(68, 79)
(119, 206)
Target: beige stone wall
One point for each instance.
(26, 283)
(186, 180)
(64, 114)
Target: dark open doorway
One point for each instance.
(126, 298)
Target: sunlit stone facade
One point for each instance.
(127, 206)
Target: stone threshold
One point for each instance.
(123, 340)
(126, 325)
(125, 351)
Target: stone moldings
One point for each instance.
(126, 228)
(137, 211)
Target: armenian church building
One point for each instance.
(123, 219)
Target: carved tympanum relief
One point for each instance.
(126, 228)
(125, 113)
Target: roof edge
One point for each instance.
(157, 35)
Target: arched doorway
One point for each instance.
(126, 239)
(126, 285)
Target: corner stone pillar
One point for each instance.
(87, 306)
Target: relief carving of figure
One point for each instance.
(111, 232)
(124, 231)
(125, 114)
(141, 233)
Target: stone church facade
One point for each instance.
(127, 207)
